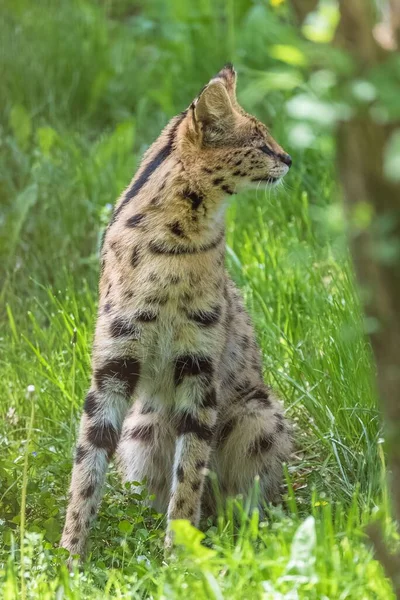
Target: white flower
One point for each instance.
(30, 390)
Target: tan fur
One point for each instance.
(172, 333)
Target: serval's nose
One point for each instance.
(287, 159)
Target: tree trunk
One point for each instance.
(376, 250)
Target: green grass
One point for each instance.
(85, 86)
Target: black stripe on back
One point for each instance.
(152, 166)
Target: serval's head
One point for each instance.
(231, 147)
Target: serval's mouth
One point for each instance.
(270, 180)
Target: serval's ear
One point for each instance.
(227, 75)
(213, 106)
(213, 109)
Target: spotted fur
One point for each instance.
(172, 333)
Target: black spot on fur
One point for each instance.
(191, 365)
(243, 386)
(262, 444)
(135, 257)
(267, 179)
(116, 249)
(104, 436)
(280, 427)
(200, 464)
(227, 190)
(237, 173)
(238, 163)
(143, 433)
(207, 170)
(176, 229)
(159, 299)
(179, 249)
(196, 485)
(74, 541)
(245, 341)
(206, 318)
(80, 454)
(93, 511)
(180, 474)
(145, 316)
(195, 199)
(226, 431)
(107, 307)
(189, 424)
(88, 492)
(90, 405)
(135, 220)
(218, 180)
(258, 393)
(126, 370)
(180, 503)
(210, 399)
(122, 328)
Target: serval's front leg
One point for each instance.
(104, 410)
(196, 414)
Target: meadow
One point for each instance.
(85, 87)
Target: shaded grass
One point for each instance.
(79, 108)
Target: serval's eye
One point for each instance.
(267, 150)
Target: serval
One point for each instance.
(177, 384)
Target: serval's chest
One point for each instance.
(170, 308)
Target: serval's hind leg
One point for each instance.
(253, 439)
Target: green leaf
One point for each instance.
(288, 54)
(190, 538)
(46, 138)
(125, 527)
(52, 530)
(302, 558)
